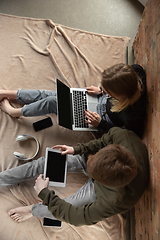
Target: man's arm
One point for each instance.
(64, 211)
(88, 214)
(87, 148)
(64, 149)
(93, 146)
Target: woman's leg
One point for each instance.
(7, 108)
(31, 96)
(8, 94)
(41, 107)
(25, 96)
(37, 103)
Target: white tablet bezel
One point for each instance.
(52, 183)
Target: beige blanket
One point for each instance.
(33, 52)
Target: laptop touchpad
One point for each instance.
(92, 107)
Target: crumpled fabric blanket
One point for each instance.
(33, 53)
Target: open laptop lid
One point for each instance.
(64, 105)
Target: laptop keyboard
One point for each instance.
(80, 106)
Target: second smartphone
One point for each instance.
(42, 124)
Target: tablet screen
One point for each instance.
(55, 167)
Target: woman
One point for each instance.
(126, 99)
(122, 100)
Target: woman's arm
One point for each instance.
(92, 90)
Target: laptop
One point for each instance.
(71, 106)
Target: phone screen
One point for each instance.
(51, 222)
(42, 124)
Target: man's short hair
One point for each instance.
(113, 166)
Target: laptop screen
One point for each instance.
(64, 106)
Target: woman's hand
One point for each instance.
(93, 118)
(40, 183)
(65, 149)
(92, 90)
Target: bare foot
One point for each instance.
(7, 108)
(21, 214)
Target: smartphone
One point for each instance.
(47, 222)
(42, 124)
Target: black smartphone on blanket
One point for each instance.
(42, 124)
(47, 222)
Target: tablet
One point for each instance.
(55, 167)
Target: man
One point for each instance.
(119, 173)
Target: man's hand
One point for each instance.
(40, 183)
(65, 149)
(93, 118)
(92, 90)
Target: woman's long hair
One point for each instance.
(121, 80)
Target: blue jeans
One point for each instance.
(37, 102)
(41, 102)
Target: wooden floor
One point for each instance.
(147, 53)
